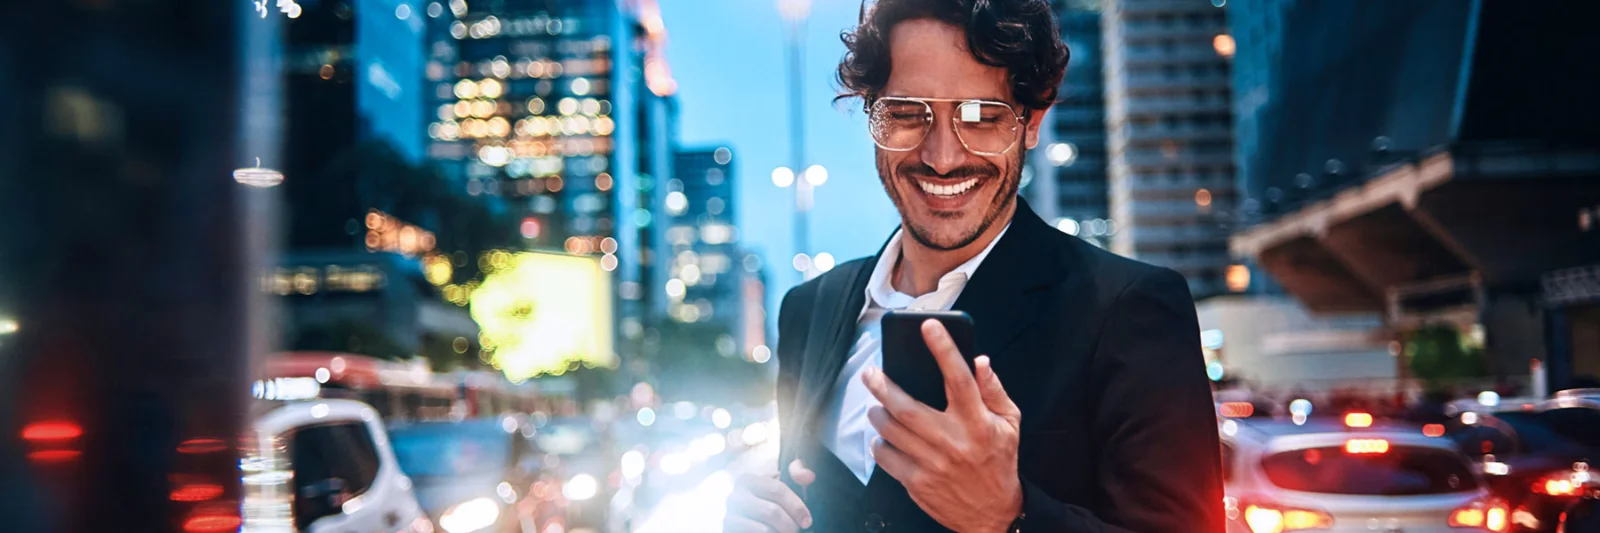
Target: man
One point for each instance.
(1091, 411)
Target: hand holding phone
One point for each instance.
(909, 362)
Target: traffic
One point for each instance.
(351, 444)
(1513, 465)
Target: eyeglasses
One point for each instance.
(900, 124)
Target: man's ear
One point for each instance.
(1031, 129)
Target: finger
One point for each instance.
(899, 435)
(800, 474)
(994, 394)
(733, 523)
(768, 515)
(958, 383)
(915, 415)
(894, 462)
(780, 495)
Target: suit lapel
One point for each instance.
(1004, 294)
(833, 326)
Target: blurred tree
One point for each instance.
(1439, 358)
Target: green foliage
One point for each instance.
(1438, 356)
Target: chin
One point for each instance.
(948, 216)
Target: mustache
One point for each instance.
(914, 169)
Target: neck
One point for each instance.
(921, 267)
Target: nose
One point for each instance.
(941, 149)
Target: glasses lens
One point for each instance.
(986, 127)
(899, 124)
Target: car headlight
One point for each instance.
(469, 516)
(580, 487)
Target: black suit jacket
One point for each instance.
(1101, 353)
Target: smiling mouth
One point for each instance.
(947, 191)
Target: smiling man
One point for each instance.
(1090, 412)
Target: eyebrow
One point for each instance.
(984, 98)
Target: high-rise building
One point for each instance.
(564, 109)
(353, 95)
(1068, 187)
(1431, 161)
(1170, 135)
(701, 256)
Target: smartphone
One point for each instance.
(907, 360)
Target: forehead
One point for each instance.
(929, 59)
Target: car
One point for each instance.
(1529, 454)
(585, 465)
(1348, 476)
(325, 466)
(478, 475)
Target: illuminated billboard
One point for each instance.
(543, 313)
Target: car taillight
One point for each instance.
(1557, 484)
(1237, 409)
(1366, 446)
(1358, 420)
(1433, 430)
(1264, 519)
(1485, 515)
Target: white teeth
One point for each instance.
(947, 190)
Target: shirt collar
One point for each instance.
(880, 289)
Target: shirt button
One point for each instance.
(874, 523)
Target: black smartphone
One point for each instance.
(907, 360)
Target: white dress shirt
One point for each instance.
(845, 430)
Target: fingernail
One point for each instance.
(806, 521)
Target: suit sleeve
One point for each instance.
(791, 336)
(1159, 461)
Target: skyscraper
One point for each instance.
(1170, 135)
(701, 256)
(1069, 184)
(564, 109)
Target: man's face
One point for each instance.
(947, 195)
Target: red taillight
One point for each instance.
(1366, 446)
(53, 456)
(1490, 516)
(42, 431)
(196, 492)
(1358, 420)
(196, 446)
(1433, 430)
(1237, 409)
(212, 523)
(1267, 519)
(1557, 484)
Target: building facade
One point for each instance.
(565, 110)
(1069, 186)
(1169, 136)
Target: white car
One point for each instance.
(325, 466)
(1326, 476)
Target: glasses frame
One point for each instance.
(955, 122)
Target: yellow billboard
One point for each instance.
(543, 313)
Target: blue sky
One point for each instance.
(728, 58)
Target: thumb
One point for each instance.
(994, 394)
(800, 474)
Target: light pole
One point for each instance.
(794, 13)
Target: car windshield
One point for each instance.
(1398, 471)
(450, 449)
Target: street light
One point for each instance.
(816, 175)
(782, 177)
(795, 13)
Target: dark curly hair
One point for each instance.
(1018, 35)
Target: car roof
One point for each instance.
(297, 414)
(1285, 434)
